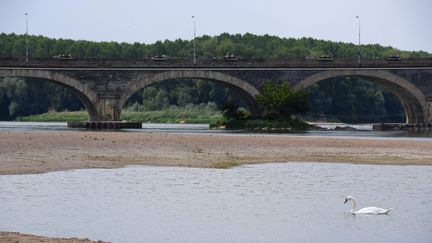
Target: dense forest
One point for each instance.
(344, 99)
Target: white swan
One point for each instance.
(368, 210)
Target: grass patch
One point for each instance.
(171, 116)
(202, 113)
(189, 114)
(226, 164)
(56, 117)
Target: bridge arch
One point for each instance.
(84, 93)
(246, 91)
(411, 97)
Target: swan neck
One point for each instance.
(354, 206)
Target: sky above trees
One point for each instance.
(399, 23)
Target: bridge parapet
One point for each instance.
(211, 63)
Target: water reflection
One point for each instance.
(293, 202)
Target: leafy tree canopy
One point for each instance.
(244, 46)
(280, 100)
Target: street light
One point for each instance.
(27, 43)
(194, 46)
(358, 18)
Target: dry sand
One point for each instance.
(39, 152)
(44, 151)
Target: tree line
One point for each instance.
(244, 46)
(344, 99)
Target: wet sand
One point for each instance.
(44, 151)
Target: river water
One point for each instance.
(287, 202)
(363, 130)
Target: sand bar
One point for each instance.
(43, 151)
(15, 237)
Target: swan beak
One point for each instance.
(345, 201)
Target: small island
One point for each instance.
(279, 102)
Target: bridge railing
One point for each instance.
(210, 63)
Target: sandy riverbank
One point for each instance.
(15, 237)
(44, 151)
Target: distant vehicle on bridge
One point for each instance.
(325, 58)
(63, 57)
(230, 57)
(159, 58)
(394, 58)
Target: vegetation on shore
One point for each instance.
(226, 164)
(54, 116)
(262, 124)
(202, 113)
(279, 101)
(189, 114)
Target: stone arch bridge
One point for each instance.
(105, 85)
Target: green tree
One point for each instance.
(280, 100)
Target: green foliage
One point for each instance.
(56, 117)
(245, 46)
(182, 93)
(231, 110)
(262, 124)
(226, 164)
(22, 97)
(281, 101)
(204, 113)
(352, 100)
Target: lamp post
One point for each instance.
(359, 44)
(27, 43)
(194, 46)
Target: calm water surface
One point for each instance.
(364, 130)
(291, 202)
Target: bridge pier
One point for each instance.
(108, 109)
(428, 109)
(107, 116)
